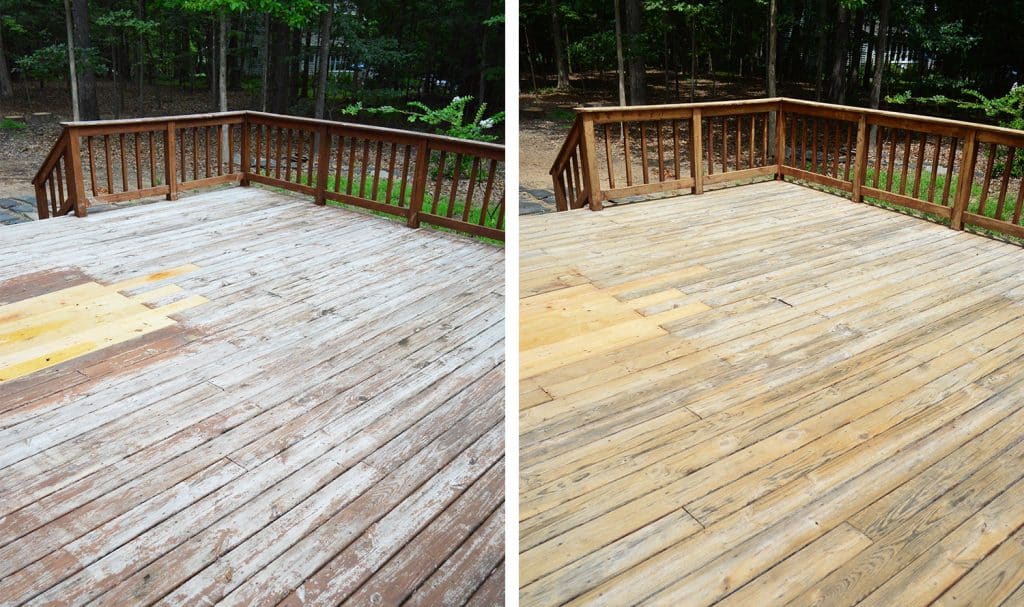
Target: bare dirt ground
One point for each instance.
(42, 110)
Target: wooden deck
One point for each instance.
(244, 398)
(769, 395)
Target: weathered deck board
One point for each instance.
(340, 389)
(841, 422)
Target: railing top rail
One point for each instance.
(946, 122)
(383, 131)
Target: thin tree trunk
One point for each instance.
(773, 34)
(819, 65)
(556, 36)
(87, 106)
(693, 58)
(529, 58)
(619, 54)
(266, 62)
(222, 79)
(140, 13)
(635, 60)
(869, 68)
(837, 86)
(6, 85)
(880, 54)
(304, 90)
(72, 77)
(324, 61)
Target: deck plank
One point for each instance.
(339, 362)
(853, 381)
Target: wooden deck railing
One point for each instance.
(927, 164)
(451, 183)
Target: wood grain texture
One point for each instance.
(340, 390)
(841, 424)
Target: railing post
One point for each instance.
(965, 180)
(589, 168)
(780, 142)
(170, 162)
(75, 181)
(42, 207)
(323, 160)
(419, 183)
(696, 152)
(246, 159)
(860, 167)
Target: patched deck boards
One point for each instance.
(834, 414)
(324, 426)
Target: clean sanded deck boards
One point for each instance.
(321, 423)
(769, 395)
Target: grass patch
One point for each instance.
(10, 124)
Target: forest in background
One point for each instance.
(324, 55)
(944, 57)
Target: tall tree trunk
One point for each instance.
(222, 78)
(266, 62)
(635, 58)
(869, 68)
(279, 82)
(304, 85)
(837, 85)
(87, 106)
(72, 77)
(693, 58)
(855, 54)
(770, 88)
(556, 36)
(529, 57)
(819, 65)
(880, 54)
(619, 54)
(6, 85)
(324, 60)
(140, 13)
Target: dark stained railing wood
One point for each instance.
(461, 181)
(916, 162)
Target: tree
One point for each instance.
(86, 76)
(881, 54)
(6, 86)
(324, 60)
(618, 54)
(635, 56)
(71, 61)
(556, 37)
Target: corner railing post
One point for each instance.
(860, 165)
(323, 160)
(591, 180)
(73, 165)
(965, 179)
(419, 183)
(696, 152)
(780, 141)
(170, 162)
(245, 160)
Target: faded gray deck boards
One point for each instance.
(327, 426)
(769, 395)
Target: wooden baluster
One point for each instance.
(109, 164)
(849, 150)
(55, 203)
(643, 152)
(259, 148)
(300, 156)
(488, 188)
(836, 149)
(792, 139)
(277, 154)
(988, 177)
(231, 152)
(58, 169)
(677, 161)
(1020, 203)
(753, 140)
(337, 163)
(440, 178)
(391, 174)
(405, 175)
(267, 156)
(92, 164)
(892, 159)
(953, 143)
(780, 141)
(206, 151)
(376, 170)
(935, 168)
(879, 144)
(195, 153)
(814, 144)
(661, 154)
(453, 195)
(313, 163)
(920, 164)
(764, 141)
(574, 174)
(906, 162)
(711, 144)
(75, 180)
(366, 167)
(739, 141)
(803, 143)
(696, 153)
(124, 163)
(608, 155)
(625, 147)
(138, 162)
(472, 184)
(152, 161)
(288, 156)
(352, 165)
(964, 181)
(323, 162)
(1007, 167)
